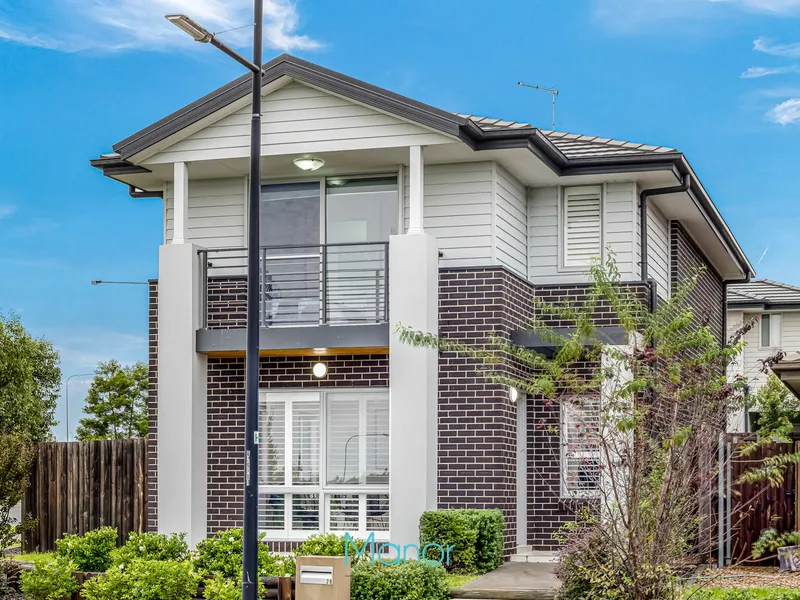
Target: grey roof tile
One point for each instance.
(763, 291)
(573, 145)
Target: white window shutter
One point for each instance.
(580, 449)
(583, 235)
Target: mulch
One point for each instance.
(750, 577)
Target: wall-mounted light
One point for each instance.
(513, 394)
(320, 370)
(308, 163)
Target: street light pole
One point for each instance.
(250, 558)
(66, 396)
(250, 519)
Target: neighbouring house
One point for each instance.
(776, 307)
(377, 209)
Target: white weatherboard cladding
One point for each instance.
(300, 119)
(749, 363)
(583, 235)
(511, 243)
(216, 212)
(658, 248)
(546, 233)
(457, 210)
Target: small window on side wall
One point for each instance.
(582, 226)
(771, 331)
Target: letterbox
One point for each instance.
(322, 578)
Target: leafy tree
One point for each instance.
(645, 426)
(30, 382)
(116, 406)
(777, 408)
(16, 456)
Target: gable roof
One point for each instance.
(564, 153)
(763, 293)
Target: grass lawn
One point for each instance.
(456, 581)
(29, 556)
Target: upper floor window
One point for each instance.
(582, 225)
(353, 210)
(771, 331)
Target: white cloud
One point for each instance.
(756, 72)
(6, 210)
(786, 112)
(628, 16)
(114, 25)
(768, 47)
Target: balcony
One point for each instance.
(320, 296)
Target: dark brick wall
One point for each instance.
(152, 409)
(707, 297)
(226, 378)
(227, 302)
(477, 422)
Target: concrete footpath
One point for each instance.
(513, 581)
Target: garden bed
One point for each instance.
(746, 577)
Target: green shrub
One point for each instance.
(222, 555)
(770, 540)
(143, 580)
(50, 579)
(90, 551)
(110, 586)
(409, 581)
(450, 528)
(221, 588)
(152, 546)
(324, 544)
(489, 526)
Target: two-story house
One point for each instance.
(377, 209)
(776, 308)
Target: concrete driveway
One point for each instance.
(513, 581)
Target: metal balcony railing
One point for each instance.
(328, 284)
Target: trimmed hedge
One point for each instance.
(476, 534)
(409, 581)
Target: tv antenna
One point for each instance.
(551, 91)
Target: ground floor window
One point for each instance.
(580, 449)
(324, 463)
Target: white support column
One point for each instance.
(416, 189)
(182, 426)
(413, 373)
(181, 203)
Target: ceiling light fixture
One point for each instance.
(320, 370)
(308, 163)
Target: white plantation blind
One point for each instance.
(580, 451)
(324, 463)
(358, 439)
(583, 224)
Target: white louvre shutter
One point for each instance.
(580, 450)
(582, 225)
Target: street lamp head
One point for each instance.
(96, 282)
(194, 29)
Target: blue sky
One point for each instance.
(718, 79)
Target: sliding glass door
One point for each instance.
(290, 242)
(360, 213)
(324, 255)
